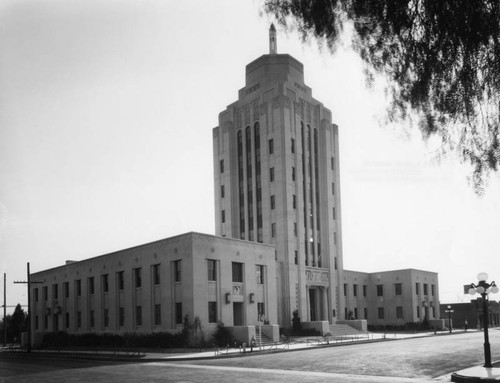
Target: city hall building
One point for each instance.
(278, 242)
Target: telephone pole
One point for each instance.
(29, 282)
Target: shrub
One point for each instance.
(222, 336)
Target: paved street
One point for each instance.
(411, 360)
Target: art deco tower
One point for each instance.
(276, 178)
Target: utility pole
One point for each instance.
(29, 282)
(4, 309)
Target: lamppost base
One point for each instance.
(477, 374)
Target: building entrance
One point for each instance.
(312, 305)
(238, 314)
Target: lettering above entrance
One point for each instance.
(317, 277)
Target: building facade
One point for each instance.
(276, 161)
(153, 287)
(391, 297)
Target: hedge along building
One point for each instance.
(155, 286)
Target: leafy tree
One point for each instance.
(441, 60)
(16, 324)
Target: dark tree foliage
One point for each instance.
(441, 60)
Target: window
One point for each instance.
(345, 289)
(106, 317)
(295, 228)
(271, 174)
(259, 272)
(332, 163)
(425, 289)
(334, 238)
(365, 290)
(78, 288)
(177, 271)
(380, 313)
(66, 289)
(273, 203)
(78, 319)
(365, 312)
(91, 318)
(260, 311)
(380, 290)
(433, 291)
(223, 216)
(293, 145)
(157, 315)
(271, 146)
(355, 291)
(36, 294)
(46, 321)
(335, 263)
(55, 291)
(66, 320)
(91, 286)
(121, 280)
(212, 269)
(273, 230)
(418, 311)
(156, 274)
(293, 173)
(137, 278)
(417, 288)
(398, 289)
(105, 283)
(294, 201)
(138, 315)
(221, 164)
(355, 313)
(399, 312)
(296, 257)
(121, 317)
(222, 191)
(45, 293)
(237, 272)
(36, 322)
(333, 188)
(178, 312)
(212, 312)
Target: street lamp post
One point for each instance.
(483, 288)
(449, 311)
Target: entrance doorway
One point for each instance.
(237, 313)
(312, 304)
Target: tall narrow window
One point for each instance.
(78, 287)
(156, 274)
(178, 312)
(157, 315)
(91, 318)
(380, 290)
(237, 272)
(137, 278)
(121, 280)
(121, 317)
(78, 319)
(355, 290)
(345, 289)
(211, 269)
(45, 292)
(425, 289)
(223, 216)
(295, 229)
(398, 289)
(259, 272)
(212, 312)
(293, 173)
(273, 230)
(66, 289)
(334, 213)
(177, 271)
(36, 294)
(399, 312)
(294, 201)
(91, 285)
(138, 315)
(380, 313)
(221, 164)
(332, 163)
(222, 191)
(272, 203)
(365, 290)
(260, 311)
(106, 317)
(433, 292)
(417, 288)
(271, 174)
(293, 145)
(271, 146)
(105, 283)
(55, 291)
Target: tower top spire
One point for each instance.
(273, 44)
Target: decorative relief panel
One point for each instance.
(256, 110)
(247, 114)
(286, 102)
(276, 102)
(317, 277)
(263, 108)
(308, 115)
(237, 114)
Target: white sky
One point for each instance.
(106, 117)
